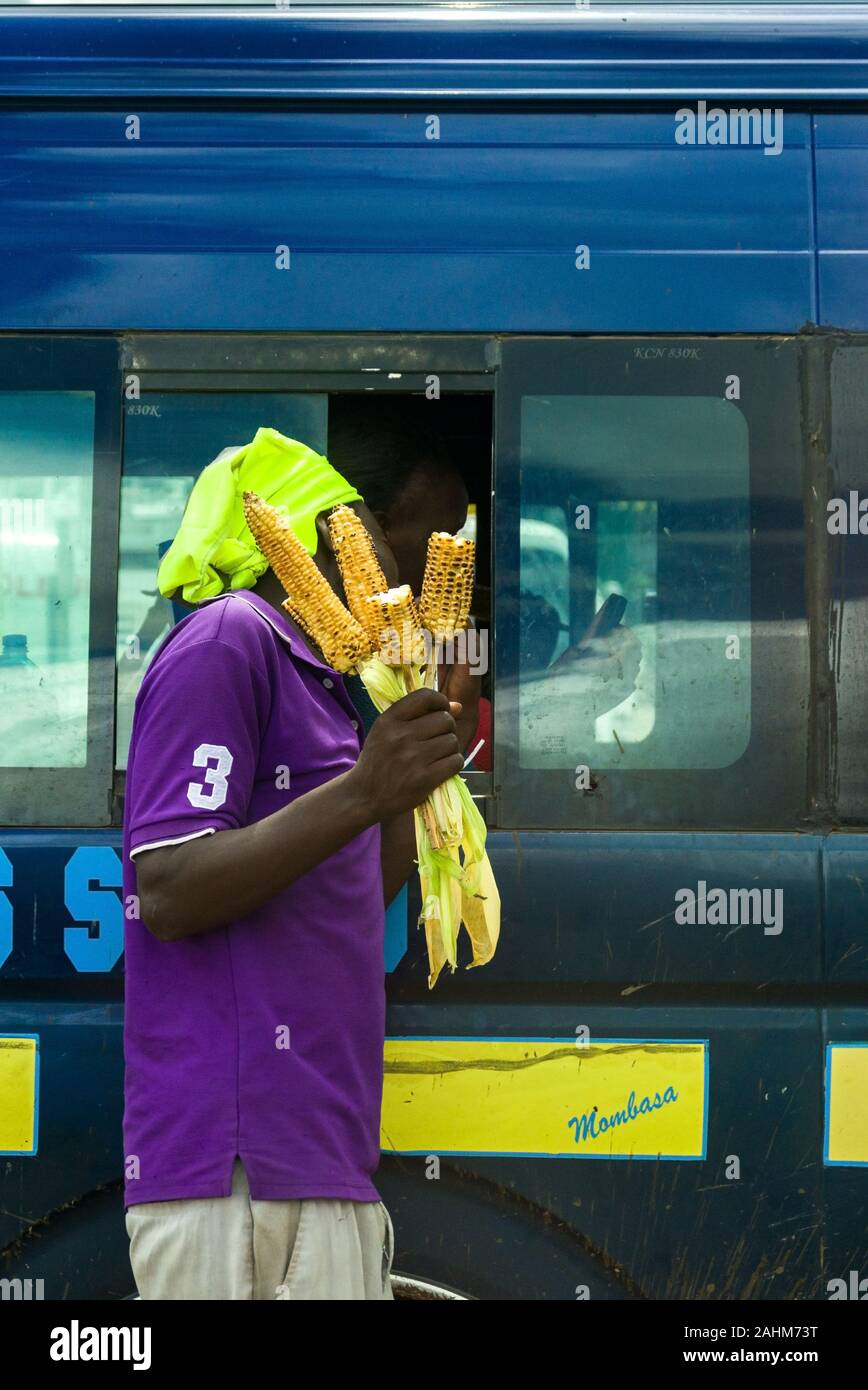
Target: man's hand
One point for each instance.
(409, 751)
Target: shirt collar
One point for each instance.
(278, 621)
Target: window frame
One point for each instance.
(78, 796)
(770, 370)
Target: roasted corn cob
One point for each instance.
(393, 622)
(447, 588)
(360, 569)
(311, 600)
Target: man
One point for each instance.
(263, 835)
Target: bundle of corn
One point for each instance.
(381, 638)
(458, 885)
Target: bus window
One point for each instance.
(46, 488)
(664, 545)
(169, 438)
(653, 664)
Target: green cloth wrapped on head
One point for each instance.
(213, 550)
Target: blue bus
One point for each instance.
(620, 258)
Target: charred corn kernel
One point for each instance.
(393, 623)
(311, 600)
(358, 563)
(447, 589)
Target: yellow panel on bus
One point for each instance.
(547, 1097)
(19, 1093)
(846, 1111)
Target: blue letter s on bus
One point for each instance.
(85, 904)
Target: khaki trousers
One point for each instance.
(237, 1248)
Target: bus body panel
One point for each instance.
(765, 1217)
(243, 221)
(842, 217)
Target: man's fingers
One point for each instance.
(448, 767)
(444, 747)
(434, 725)
(419, 703)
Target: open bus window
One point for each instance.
(634, 604)
(46, 485)
(171, 436)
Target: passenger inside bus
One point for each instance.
(393, 450)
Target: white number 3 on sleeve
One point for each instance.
(215, 777)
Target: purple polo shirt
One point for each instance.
(263, 1038)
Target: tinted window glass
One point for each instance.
(646, 499)
(46, 487)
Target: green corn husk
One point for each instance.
(385, 684)
(480, 900)
(458, 886)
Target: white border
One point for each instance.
(179, 840)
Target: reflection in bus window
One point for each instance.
(545, 578)
(634, 610)
(169, 438)
(627, 565)
(46, 480)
